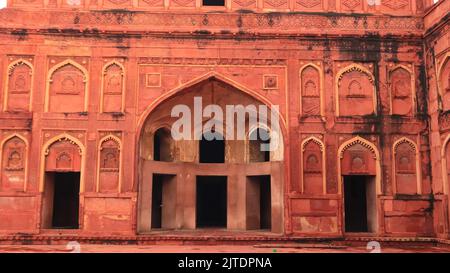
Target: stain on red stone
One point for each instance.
(87, 94)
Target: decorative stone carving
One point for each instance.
(14, 154)
(313, 171)
(64, 160)
(395, 4)
(109, 156)
(405, 167)
(184, 3)
(310, 80)
(309, 3)
(13, 164)
(63, 155)
(113, 88)
(109, 165)
(19, 84)
(444, 83)
(401, 92)
(276, 3)
(351, 4)
(245, 3)
(154, 3)
(20, 75)
(67, 88)
(118, 2)
(270, 81)
(355, 92)
(358, 158)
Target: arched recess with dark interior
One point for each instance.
(207, 183)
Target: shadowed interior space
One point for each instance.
(360, 207)
(211, 201)
(61, 200)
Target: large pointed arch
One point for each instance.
(155, 115)
(209, 75)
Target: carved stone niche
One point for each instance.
(67, 89)
(309, 4)
(276, 4)
(405, 169)
(13, 165)
(63, 156)
(358, 160)
(113, 87)
(401, 92)
(444, 84)
(351, 5)
(396, 4)
(19, 86)
(356, 94)
(109, 166)
(310, 80)
(312, 168)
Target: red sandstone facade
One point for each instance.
(363, 93)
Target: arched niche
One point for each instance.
(18, 86)
(406, 165)
(402, 91)
(109, 165)
(14, 150)
(113, 88)
(313, 166)
(67, 88)
(311, 91)
(444, 82)
(355, 92)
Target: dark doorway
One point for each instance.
(359, 200)
(66, 189)
(213, 2)
(258, 202)
(163, 201)
(212, 150)
(162, 150)
(211, 201)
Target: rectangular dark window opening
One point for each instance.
(211, 201)
(66, 189)
(214, 3)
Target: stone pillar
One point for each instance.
(236, 198)
(189, 196)
(276, 186)
(145, 198)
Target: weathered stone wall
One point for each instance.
(352, 90)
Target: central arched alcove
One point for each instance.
(210, 177)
